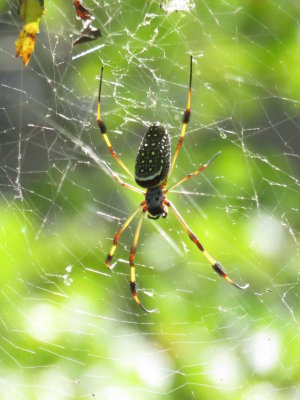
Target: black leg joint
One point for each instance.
(132, 287)
(102, 127)
(186, 117)
(219, 269)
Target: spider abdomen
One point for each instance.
(154, 158)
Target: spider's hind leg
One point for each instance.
(189, 176)
(103, 130)
(185, 121)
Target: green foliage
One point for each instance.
(69, 327)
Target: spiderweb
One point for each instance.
(69, 327)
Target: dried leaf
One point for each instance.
(88, 35)
(81, 11)
(88, 32)
(30, 12)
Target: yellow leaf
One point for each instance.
(30, 12)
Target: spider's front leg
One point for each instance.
(216, 266)
(119, 233)
(132, 266)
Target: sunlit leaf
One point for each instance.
(30, 12)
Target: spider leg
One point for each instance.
(185, 121)
(132, 266)
(119, 233)
(216, 266)
(122, 183)
(103, 130)
(189, 176)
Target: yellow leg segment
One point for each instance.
(186, 118)
(132, 266)
(103, 130)
(189, 176)
(216, 266)
(119, 233)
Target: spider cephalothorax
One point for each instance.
(155, 203)
(153, 169)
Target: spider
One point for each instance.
(153, 169)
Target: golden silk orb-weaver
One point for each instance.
(153, 169)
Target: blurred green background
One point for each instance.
(69, 327)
